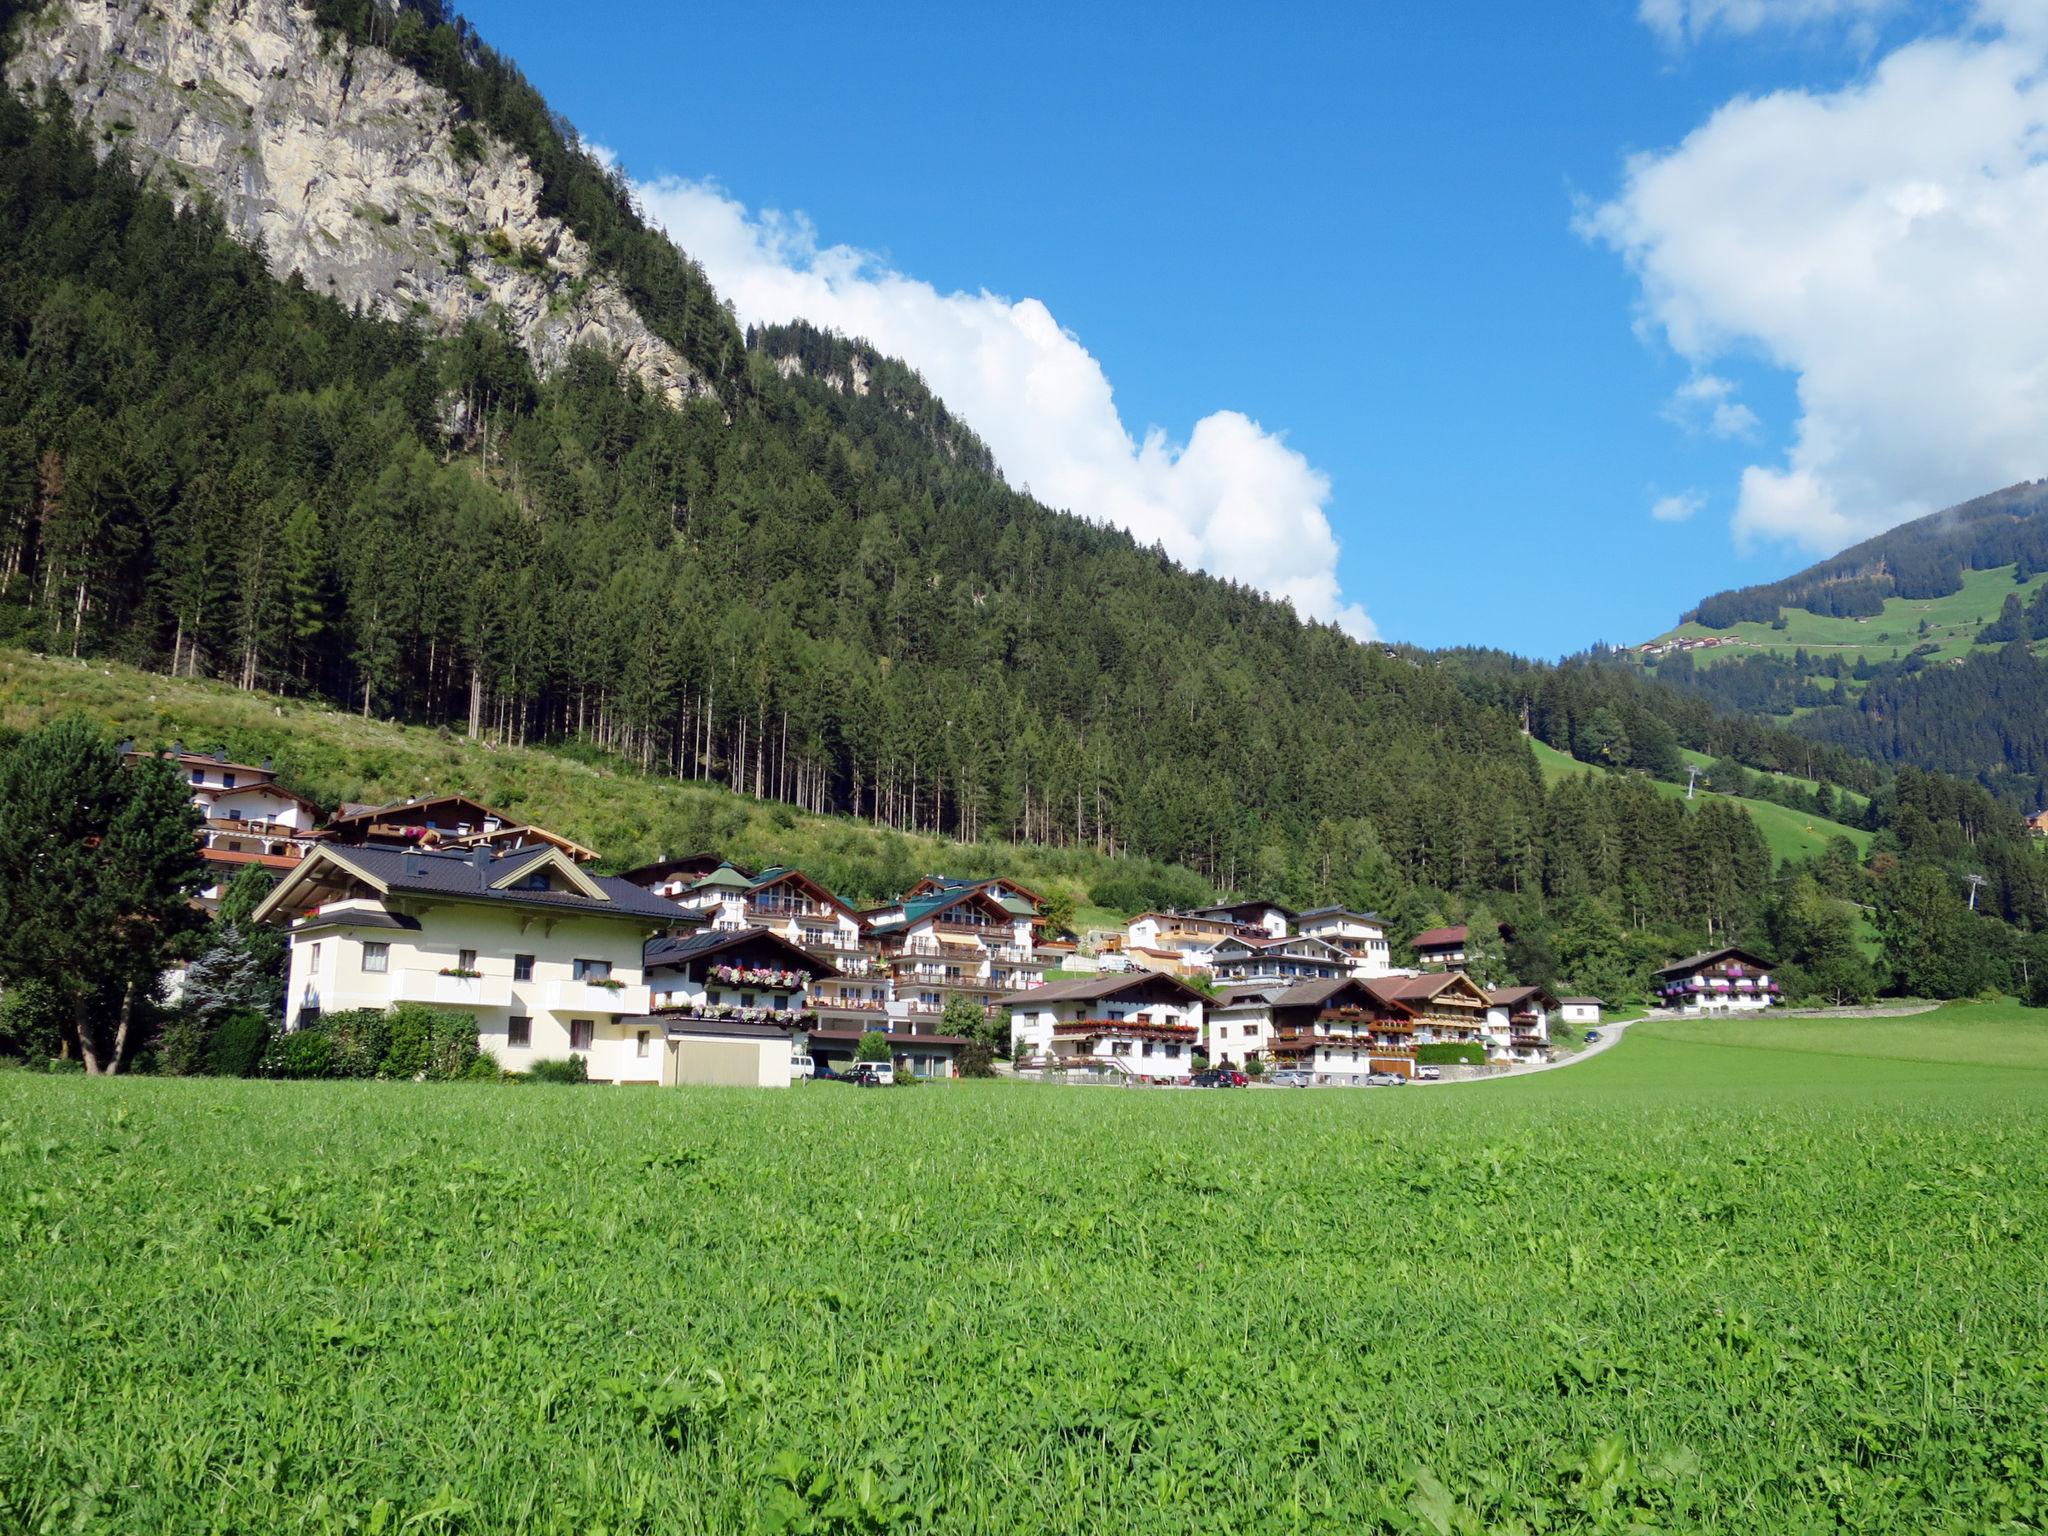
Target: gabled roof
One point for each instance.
(476, 875)
(1094, 988)
(1441, 938)
(352, 817)
(1333, 954)
(267, 787)
(787, 874)
(1363, 917)
(1710, 956)
(915, 912)
(682, 950)
(939, 885)
(1413, 991)
(521, 833)
(1580, 1002)
(1508, 997)
(699, 864)
(1232, 908)
(178, 752)
(727, 877)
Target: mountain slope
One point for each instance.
(1922, 559)
(382, 188)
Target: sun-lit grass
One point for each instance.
(1790, 834)
(1690, 1283)
(1952, 625)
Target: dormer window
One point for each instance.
(537, 881)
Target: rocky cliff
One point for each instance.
(342, 163)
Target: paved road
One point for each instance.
(1609, 1034)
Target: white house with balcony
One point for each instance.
(544, 954)
(1275, 920)
(246, 816)
(1247, 961)
(1140, 1023)
(968, 942)
(731, 1005)
(1360, 935)
(1728, 980)
(1518, 1023)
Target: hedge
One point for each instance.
(1447, 1054)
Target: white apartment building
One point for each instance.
(1360, 935)
(544, 954)
(1142, 1022)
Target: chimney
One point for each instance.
(480, 857)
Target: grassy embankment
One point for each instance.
(1790, 834)
(627, 816)
(1702, 1282)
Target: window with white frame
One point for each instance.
(519, 1030)
(592, 970)
(376, 958)
(581, 1033)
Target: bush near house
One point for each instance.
(408, 1042)
(1465, 1054)
(571, 1069)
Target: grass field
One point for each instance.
(1690, 1285)
(1952, 625)
(1790, 834)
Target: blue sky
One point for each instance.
(1402, 240)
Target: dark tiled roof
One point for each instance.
(1581, 1002)
(1709, 956)
(1440, 938)
(1367, 917)
(365, 919)
(458, 874)
(1088, 988)
(697, 946)
(1507, 997)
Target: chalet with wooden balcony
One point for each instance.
(1341, 1029)
(1193, 939)
(246, 816)
(1448, 1007)
(1518, 1023)
(1241, 961)
(1441, 949)
(546, 956)
(970, 943)
(729, 1005)
(1275, 920)
(672, 876)
(1727, 980)
(1360, 935)
(1141, 1023)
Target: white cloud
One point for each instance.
(1682, 21)
(1884, 243)
(1706, 403)
(1676, 509)
(1233, 498)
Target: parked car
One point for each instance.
(1429, 1074)
(1592, 1036)
(874, 1074)
(1289, 1077)
(802, 1066)
(1220, 1077)
(1385, 1079)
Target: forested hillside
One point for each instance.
(813, 588)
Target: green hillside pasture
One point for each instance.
(1952, 624)
(1790, 834)
(1848, 796)
(1687, 1285)
(628, 816)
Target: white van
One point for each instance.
(802, 1066)
(883, 1072)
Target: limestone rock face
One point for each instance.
(342, 164)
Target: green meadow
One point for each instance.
(1952, 624)
(1763, 1277)
(1790, 834)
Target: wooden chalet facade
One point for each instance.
(1449, 1007)
(1246, 961)
(246, 816)
(970, 943)
(1518, 1024)
(731, 1005)
(1139, 1023)
(1727, 980)
(1441, 948)
(1339, 1029)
